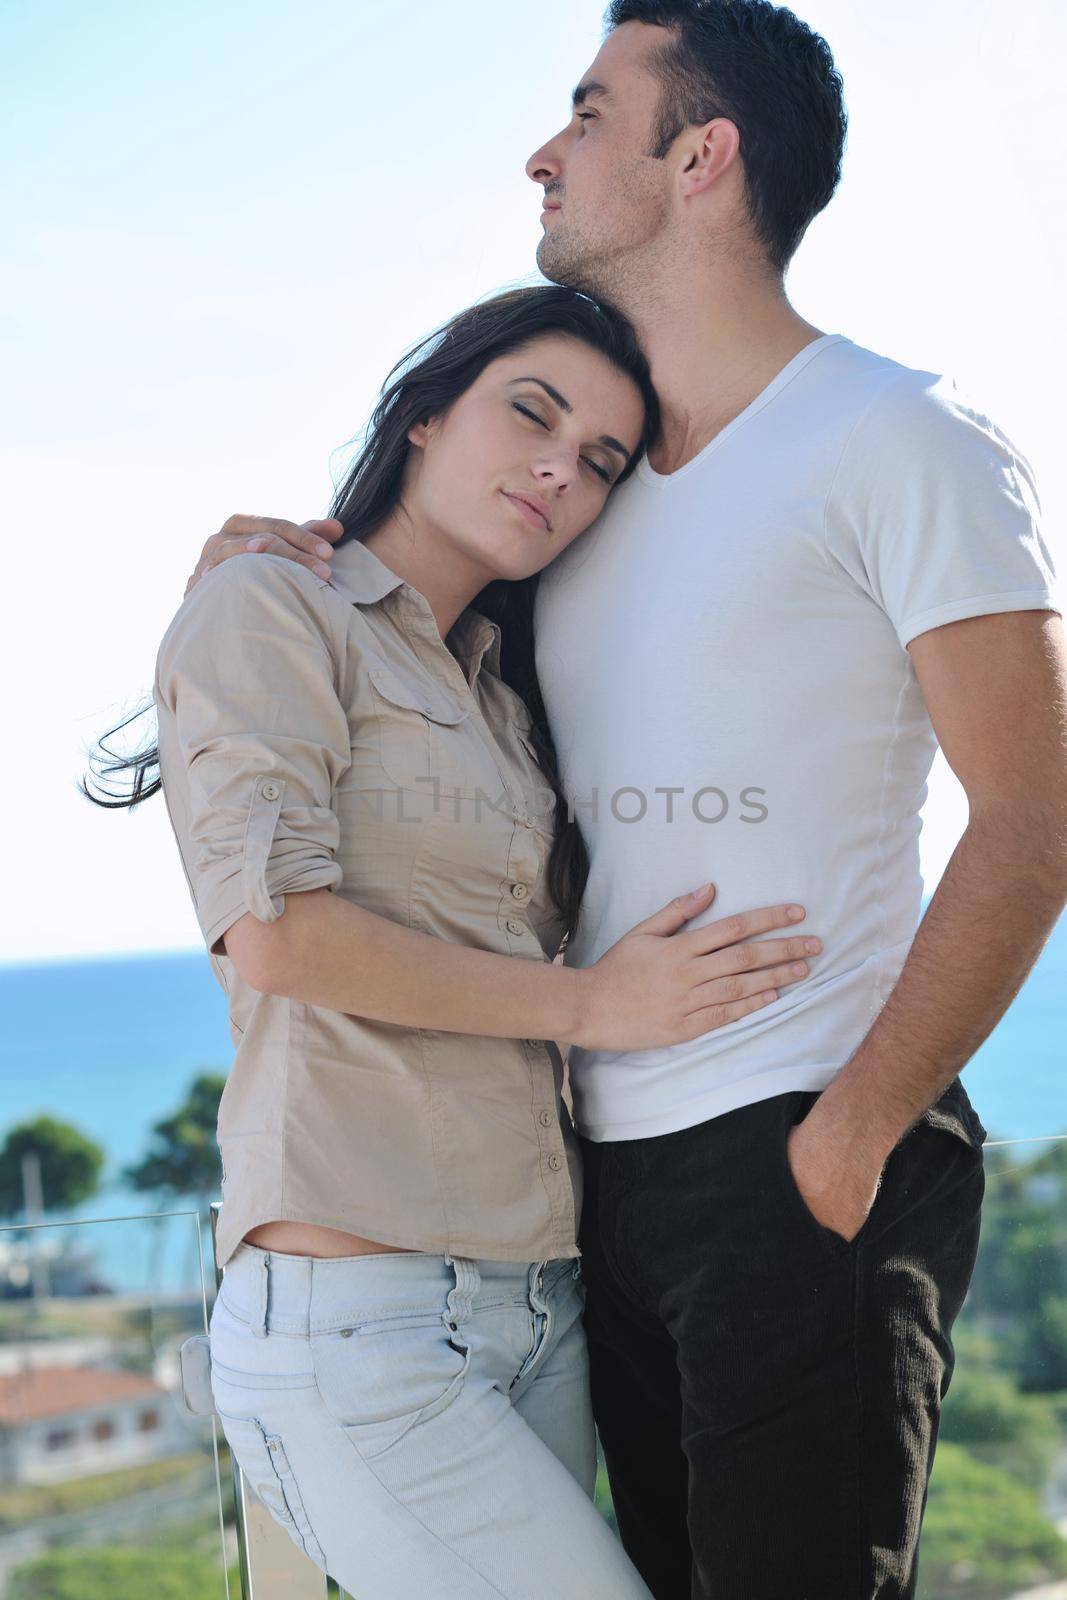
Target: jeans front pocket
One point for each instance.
(381, 1378)
(261, 1456)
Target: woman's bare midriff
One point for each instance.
(310, 1239)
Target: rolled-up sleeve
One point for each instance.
(246, 690)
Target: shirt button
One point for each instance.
(519, 891)
(270, 791)
(555, 1161)
(516, 927)
(545, 1118)
(533, 1043)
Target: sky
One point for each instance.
(222, 225)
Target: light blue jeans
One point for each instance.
(419, 1423)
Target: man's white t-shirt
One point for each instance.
(735, 632)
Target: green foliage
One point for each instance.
(22, 1505)
(184, 1157)
(1043, 1357)
(984, 1534)
(985, 1411)
(602, 1493)
(119, 1573)
(71, 1164)
(1019, 1289)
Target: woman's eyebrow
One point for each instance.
(606, 439)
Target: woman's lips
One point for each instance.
(534, 518)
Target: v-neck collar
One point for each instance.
(647, 473)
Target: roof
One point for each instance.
(39, 1392)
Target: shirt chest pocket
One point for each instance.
(420, 733)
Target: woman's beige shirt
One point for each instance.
(319, 733)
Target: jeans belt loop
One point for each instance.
(259, 1306)
(468, 1281)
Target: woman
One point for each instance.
(356, 766)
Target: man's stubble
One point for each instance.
(619, 264)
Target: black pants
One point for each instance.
(767, 1393)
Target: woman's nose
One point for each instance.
(555, 471)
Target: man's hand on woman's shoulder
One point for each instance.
(304, 542)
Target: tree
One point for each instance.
(984, 1534)
(1044, 1351)
(184, 1157)
(985, 1412)
(70, 1163)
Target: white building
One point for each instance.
(69, 1422)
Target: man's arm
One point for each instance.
(996, 691)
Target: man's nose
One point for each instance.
(544, 165)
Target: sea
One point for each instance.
(112, 1044)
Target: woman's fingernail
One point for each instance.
(255, 544)
(695, 895)
(324, 549)
(795, 913)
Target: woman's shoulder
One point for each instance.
(258, 596)
(261, 573)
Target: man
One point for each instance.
(828, 564)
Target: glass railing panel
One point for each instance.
(995, 1526)
(107, 1481)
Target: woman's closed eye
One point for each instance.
(601, 472)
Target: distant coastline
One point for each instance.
(111, 1043)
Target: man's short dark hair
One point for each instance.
(772, 76)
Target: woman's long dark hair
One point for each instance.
(435, 372)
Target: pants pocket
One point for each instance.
(795, 1109)
(262, 1458)
(383, 1378)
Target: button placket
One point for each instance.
(517, 888)
(549, 1138)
